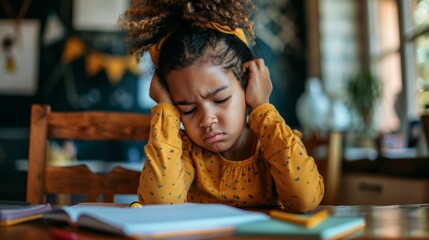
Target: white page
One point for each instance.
(71, 214)
(158, 219)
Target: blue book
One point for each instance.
(332, 227)
(157, 221)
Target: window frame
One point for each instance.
(407, 101)
(409, 36)
(374, 55)
(408, 62)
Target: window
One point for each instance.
(391, 38)
(385, 62)
(349, 45)
(338, 45)
(398, 36)
(415, 35)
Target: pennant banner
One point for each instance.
(73, 49)
(114, 66)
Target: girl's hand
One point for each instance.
(158, 92)
(259, 84)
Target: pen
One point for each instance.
(66, 235)
(309, 222)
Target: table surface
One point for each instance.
(382, 222)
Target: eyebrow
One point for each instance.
(208, 95)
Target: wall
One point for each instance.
(64, 83)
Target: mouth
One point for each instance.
(213, 136)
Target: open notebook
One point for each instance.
(156, 220)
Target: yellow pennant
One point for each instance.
(115, 68)
(132, 64)
(73, 49)
(94, 63)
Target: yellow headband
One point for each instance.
(155, 49)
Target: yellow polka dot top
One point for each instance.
(176, 170)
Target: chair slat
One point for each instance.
(81, 180)
(98, 126)
(46, 124)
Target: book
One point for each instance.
(333, 227)
(309, 221)
(156, 220)
(17, 212)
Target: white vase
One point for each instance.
(339, 116)
(312, 107)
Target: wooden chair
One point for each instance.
(329, 166)
(44, 179)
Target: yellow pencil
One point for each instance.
(309, 222)
(9, 222)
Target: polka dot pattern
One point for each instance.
(177, 170)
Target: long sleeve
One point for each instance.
(297, 180)
(168, 172)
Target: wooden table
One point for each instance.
(389, 221)
(382, 222)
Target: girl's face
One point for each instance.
(212, 105)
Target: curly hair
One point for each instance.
(149, 21)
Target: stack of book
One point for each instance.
(16, 212)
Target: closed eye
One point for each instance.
(223, 100)
(188, 112)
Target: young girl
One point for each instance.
(207, 79)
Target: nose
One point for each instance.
(208, 118)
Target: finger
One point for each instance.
(267, 71)
(260, 63)
(245, 66)
(253, 67)
(253, 61)
(249, 68)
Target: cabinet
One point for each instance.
(378, 189)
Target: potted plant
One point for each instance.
(364, 91)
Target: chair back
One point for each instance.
(45, 179)
(330, 165)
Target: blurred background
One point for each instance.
(358, 67)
